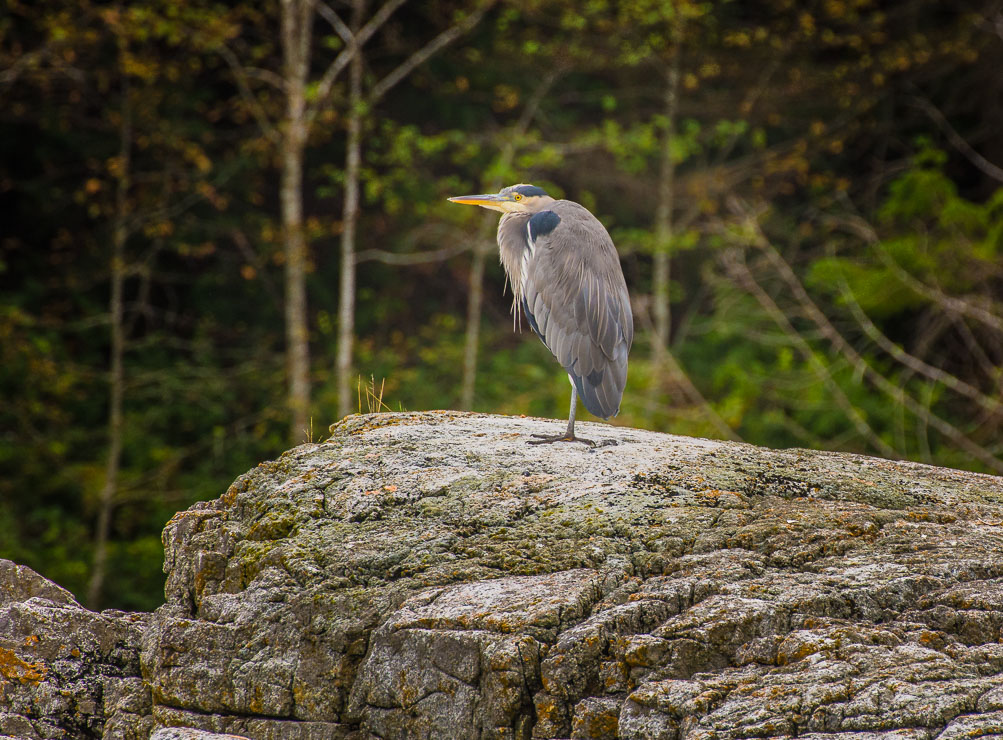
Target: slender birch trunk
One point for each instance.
(297, 17)
(475, 299)
(475, 294)
(350, 219)
(663, 221)
(116, 378)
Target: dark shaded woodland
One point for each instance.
(223, 226)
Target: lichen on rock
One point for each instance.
(431, 575)
(66, 672)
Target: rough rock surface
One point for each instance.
(431, 575)
(66, 672)
(186, 733)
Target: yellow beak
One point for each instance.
(488, 200)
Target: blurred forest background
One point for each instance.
(223, 226)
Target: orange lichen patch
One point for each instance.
(202, 514)
(547, 708)
(933, 640)
(391, 489)
(705, 701)
(31, 640)
(615, 675)
(938, 517)
(372, 422)
(599, 725)
(860, 529)
(774, 692)
(13, 668)
(239, 486)
(786, 657)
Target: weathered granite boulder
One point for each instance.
(66, 672)
(430, 575)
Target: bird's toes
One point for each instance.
(544, 439)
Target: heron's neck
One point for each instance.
(513, 249)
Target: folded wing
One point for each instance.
(575, 298)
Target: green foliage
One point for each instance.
(791, 128)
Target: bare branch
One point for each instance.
(327, 13)
(949, 303)
(992, 25)
(376, 22)
(266, 76)
(240, 75)
(409, 258)
(748, 103)
(345, 56)
(475, 295)
(164, 213)
(913, 363)
(978, 352)
(860, 365)
(244, 245)
(734, 263)
(677, 373)
(22, 63)
(958, 141)
(533, 104)
(449, 240)
(419, 57)
(31, 62)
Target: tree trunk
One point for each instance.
(475, 296)
(663, 221)
(350, 218)
(475, 299)
(116, 379)
(296, 27)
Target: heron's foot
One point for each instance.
(546, 439)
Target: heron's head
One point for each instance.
(520, 198)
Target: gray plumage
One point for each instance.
(570, 286)
(566, 280)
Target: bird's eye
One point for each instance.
(517, 197)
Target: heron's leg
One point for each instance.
(574, 408)
(568, 436)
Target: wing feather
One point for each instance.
(575, 290)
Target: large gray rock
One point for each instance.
(430, 575)
(66, 672)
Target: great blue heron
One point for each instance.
(566, 278)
